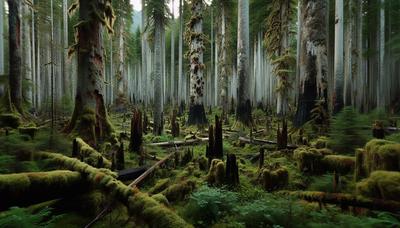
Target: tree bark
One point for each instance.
(90, 118)
(312, 59)
(243, 106)
(158, 96)
(197, 115)
(15, 52)
(338, 66)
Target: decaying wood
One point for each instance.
(343, 199)
(23, 189)
(263, 142)
(180, 142)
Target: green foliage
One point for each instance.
(208, 205)
(21, 218)
(394, 137)
(322, 183)
(346, 131)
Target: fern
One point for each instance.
(21, 218)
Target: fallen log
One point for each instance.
(180, 142)
(89, 155)
(23, 189)
(343, 199)
(139, 204)
(263, 142)
(132, 173)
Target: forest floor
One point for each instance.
(183, 183)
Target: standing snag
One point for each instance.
(136, 140)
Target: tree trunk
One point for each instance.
(338, 66)
(15, 52)
(173, 93)
(312, 59)
(67, 91)
(180, 57)
(158, 96)
(120, 99)
(90, 118)
(243, 107)
(197, 115)
(1, 46)
(223, 62)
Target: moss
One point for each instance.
(90, 155)
(161, 199)
(31, 131)
(155, 214)
(179, 191)
(275, 179)
(378, 155)
(320, 142)
(338, 163)
(382, 185)
(10, 120)
(216, 173)
(203, 163)
(308, 159)
(161, 185)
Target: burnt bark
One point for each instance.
(282, 135)
(120, 157)
(136, 139)
(174, 124)
(232, 170)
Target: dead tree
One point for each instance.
(215, 145)
(120, 157)
(136, 140)
(282, 135)
(232, 170)
(75, 149)
(145, 123)
(174, 124)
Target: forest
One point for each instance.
(199, 113)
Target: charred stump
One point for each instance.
(75, 149)
(120, 157)
(232, 170)
(218, 145)
(136, 139)
(145, 123)
(211, 146)
(282, 135)
(215, 144)
(174, 124)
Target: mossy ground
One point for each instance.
(176, 184)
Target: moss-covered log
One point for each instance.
(139, 204)
(90, 155)
(378, 155)
(381, 184)
(10, 120)
(346, 200)
(273, 179)
(22, 189)
(338, 163)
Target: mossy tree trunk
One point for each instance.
(312, 59)
(15, 52)
(90, 119)
(195, 36)
(243, 106)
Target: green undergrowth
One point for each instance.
(22, 218)
(217, 207)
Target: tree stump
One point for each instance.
(215, 144)
(145, 123)
(261, 159)
(174, 124)
(232, 170)
(120, 157)
(75, 149)
(282, 135)
(378, 131)
(136, 139)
